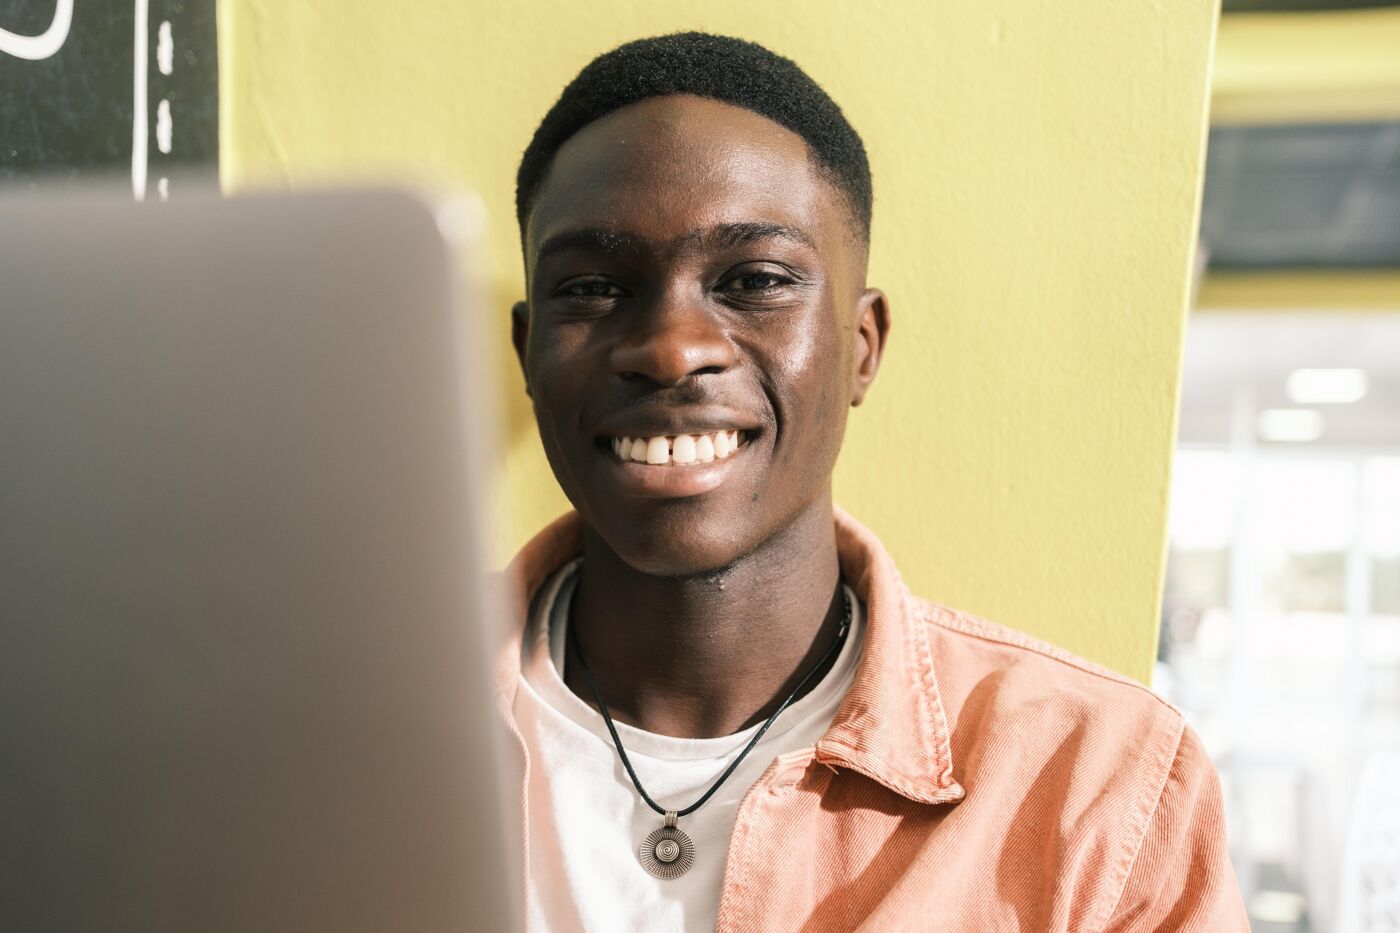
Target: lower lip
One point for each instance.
(666, 481)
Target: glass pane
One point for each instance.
(1197, 579)
(1305, 505)
(1205, 499)
(1381, 512)
(1313, 582)
(1385, 585)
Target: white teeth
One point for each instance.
(681, 450)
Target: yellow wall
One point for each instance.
(1037, 171)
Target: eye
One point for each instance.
(590, 290)
(758, 281)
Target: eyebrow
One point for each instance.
(718, 237)
(728, 236)
(591, 239)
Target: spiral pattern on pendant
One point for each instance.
(667, 852)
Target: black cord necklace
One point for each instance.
(668, 852)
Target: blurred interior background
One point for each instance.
(1280, 629)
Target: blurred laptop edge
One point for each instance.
(245, 676)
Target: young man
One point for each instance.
(732, 713)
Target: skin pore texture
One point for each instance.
(690, 270)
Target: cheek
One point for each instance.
(806, 348)
(809, 375)
(556, 354)
(557, 363)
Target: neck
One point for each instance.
(709, 655)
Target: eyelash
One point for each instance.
(779, 281)
(567, 290)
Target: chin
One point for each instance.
(674, 549)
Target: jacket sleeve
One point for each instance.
(1181, 879)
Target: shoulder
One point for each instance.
(1105, 766)
(1019, 709)
(979, 663)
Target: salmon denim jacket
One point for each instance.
(973, 779)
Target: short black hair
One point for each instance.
(721, 68)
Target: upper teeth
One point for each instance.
(679, 449)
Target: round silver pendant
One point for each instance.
(667, 852)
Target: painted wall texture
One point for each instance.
(1037, 176)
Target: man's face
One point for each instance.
(693, 280)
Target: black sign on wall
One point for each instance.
(108, 88)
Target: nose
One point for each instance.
(671, 341)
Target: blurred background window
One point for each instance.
(1280, 631)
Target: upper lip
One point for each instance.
(673, 420)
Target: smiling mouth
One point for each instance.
(679, 450)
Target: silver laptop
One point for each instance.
(244, 629)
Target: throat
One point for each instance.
(701, 658)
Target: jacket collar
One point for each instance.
(890, 727)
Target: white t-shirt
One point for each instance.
(586, 820)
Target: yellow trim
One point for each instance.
(223, 33)
(1292, 290)
(1307, 67)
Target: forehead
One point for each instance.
(667, 166)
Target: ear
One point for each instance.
(519, 335)
(872, 332)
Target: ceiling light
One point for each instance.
(1296, 425)
(1326, 386)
